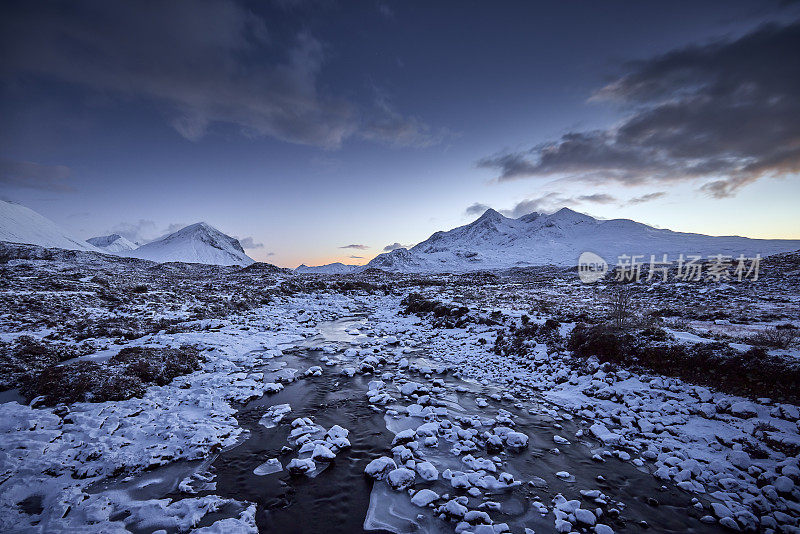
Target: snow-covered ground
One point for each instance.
(442, 432)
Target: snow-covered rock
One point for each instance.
(424, 497)
(401, 478)
(380, 467)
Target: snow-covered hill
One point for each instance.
(114, 243)
(330, 268)
(497, 242)
(196, 243)
(19, 224)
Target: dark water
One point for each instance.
(338, 498)
(339, 495)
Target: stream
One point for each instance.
(338, 497)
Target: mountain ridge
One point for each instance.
(494, 241)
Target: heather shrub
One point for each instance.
(752, 373)
(126, 375)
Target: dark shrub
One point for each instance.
(607, 343)
(781, 337)
(159, 365)
(66, 383)
(124, 376)
(28, 355)
(752, 373)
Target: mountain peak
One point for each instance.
(197, 227)
(113, 243)
(197, 243)
(490, 214)
(566, 214)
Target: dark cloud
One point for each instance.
(547, 203)
(724, 112)
(476, 209)
(356, 257)
(511, 165)
(357, 247)
(202, 62)
(34, 176)
(248, 243)
(647, 198)
(393, 246)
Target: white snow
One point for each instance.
(380, 467)
(114, 243)
(19, 224)
(424, 497)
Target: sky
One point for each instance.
(318, 130)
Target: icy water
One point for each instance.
(340, 498)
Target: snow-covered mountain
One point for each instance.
(114, 243)
(330, 268)
(196, 243)
(494, 241)
(19, 224)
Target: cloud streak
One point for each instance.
(356, 247)
(647, 198)
(723, 113)
(30, 175)
(249, 243)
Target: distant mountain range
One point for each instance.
(494, 241)
(331, 268)
(491, 242)
(196, 243)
